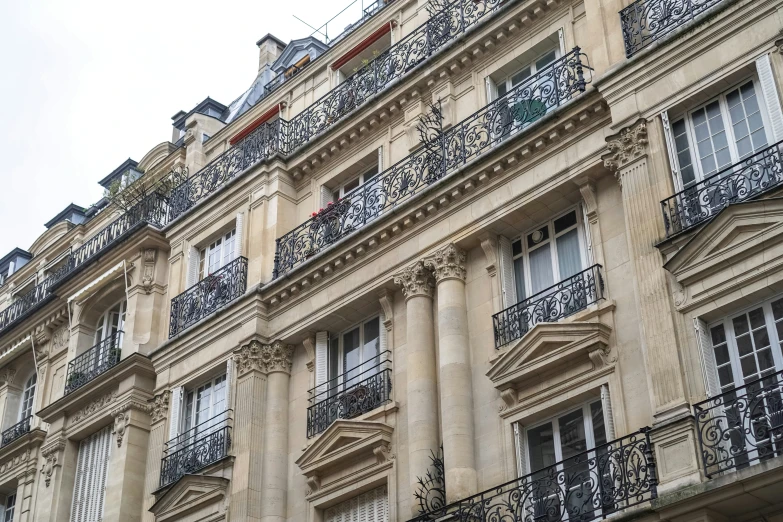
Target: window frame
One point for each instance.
(28, 395)
(366, 176)
(193, 390)
(532, 66)
(9, 509)
(227, 247)
(338, 338)
(103, 324)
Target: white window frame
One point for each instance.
(368, 175)
(104, 324)
(190, 399)
(27, 403)
(336, 343)
(9, 508)
(224, 247)
(532, 66)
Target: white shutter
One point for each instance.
(588, 235)
(104, 453)
(508, 288)
(238, 235)
(380, 159)
(372, 506)
(176, 404)
(89, 492)
(193, 262)
(383, 341)
(325, 197)
(671, 149)
(521, 447)
(606, 405)
(708, 365)
(771, 98)
(492, 89)
(229, 383)
(321, 361)
(561, 41)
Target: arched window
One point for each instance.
(28, 398)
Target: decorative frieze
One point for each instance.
(266, 358)
(625, 146)
(448, 263)
(94, 406)
(415, 280)
(60, 338)
(17, 461)
(159, 406)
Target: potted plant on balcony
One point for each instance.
(114, 354)
(75, 379)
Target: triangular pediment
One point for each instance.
(345, 439)
(547, 346)
(189, 494)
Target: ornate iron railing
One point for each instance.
(17, 430)
(93, 362)
(357, 391)
(439, 157)
(741, 427)
(588, 486)
(645, 21)
(430, 492)
(197, 448)
(744, 180)
(550, 305)
(208, 295)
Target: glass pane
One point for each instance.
(565, 222)
(683, 152)
(541, 445)
(351, 355)
(516, 247)
(521, 76)
(519, 278)
(599, 427)
(572, 434)
(545, 60)
(568, 259)
(537, 237)
(541, 276)
(740, 325)
(371, 348)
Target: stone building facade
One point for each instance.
(475, 260)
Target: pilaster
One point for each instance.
(158, 409)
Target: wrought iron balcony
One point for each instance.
(208, 295)
(349, 395)
(17, 430)
(197, 448)
(588, 486)
(742, 181)
(646, 21)
(741, 427)
(92, 363)
(440, 156)
(550, 305)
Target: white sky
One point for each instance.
(85, 84)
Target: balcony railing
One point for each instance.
(152, 210)
(645, 21)
(472, 137)
(17, 430)
(284, 137)
(741, 427)
(588, 486)
(94, 362)
(744, 180)
(550, 305)
(357, 391)
(208, 295)
(197, 448)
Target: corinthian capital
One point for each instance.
(625, 146)
(448, 263)
(266, 358)
(415, 280)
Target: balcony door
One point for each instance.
(108, 334)
(217, 254)
(28, 398)
(354, 355)
(205, 410)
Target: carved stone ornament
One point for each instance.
(489, 244)
(313, 484)
(383, 453)
(159, 406)
(602, 357)
(94, 406)
(60, 338)
(625, 146)
(148, 271)
(50, 455)
(121, 420)
(415, 280)
(448, 263)
(7, 375)
(266, 358)
(18, 460)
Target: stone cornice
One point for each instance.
(265, 358)
(416, 280)
(448, 263)
(625, 146)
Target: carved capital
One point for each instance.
(625, 146)
(448, 263)
(158, 406)
(415, 280)
(266, 358)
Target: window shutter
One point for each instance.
(671, 149)
(492, 89)
(321, 358)
(238, 235)
(380, 159)
(92, 468)
(521, 447)
(708, 365)
(229, 383)
(588, 235)
(383, 342)
(770, 91)
(372, 506)
(192, 275)
(176, 404)
(606, 405)
(508, 287)
(326, 197)
(103, 452)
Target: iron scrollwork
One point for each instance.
(431, 490)
(16, 431)
(95, 361)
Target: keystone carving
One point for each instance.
(159, 406)
(415, 280)
(448, 263)
(121, 420)
(625, 146)
(266, 358)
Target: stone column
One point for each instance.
(25, 497)
(456, 385)
(159, 409)
(422, 400)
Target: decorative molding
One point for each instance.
(94, 406)
(415, 280)
(509, 397)
(266, 358)
(589, 196)
(309, 346)
(7, 375)
(625, 146)
(313, 483)
(386, 298)
(601, 357)
(60, 338)
(50, 455)
(148, 270)
(448, 263)
(383, 453)
(158, 406)
(489, 244)
(122, 417)
(16, 462)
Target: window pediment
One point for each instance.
(191, 494)
(548, 346)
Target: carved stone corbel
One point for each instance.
(148, 270)
(386, 299)
(489, 244)
(589, 196)
(601, 357)
(313, 483)
(383, 453)
(509, 396)
(51, 455)
(309, 346)
(7, 375)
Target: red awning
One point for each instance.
(361, 46)
(256, 123)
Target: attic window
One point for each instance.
(298, 66)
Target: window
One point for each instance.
(110, 324)
(92, 465)
(354, 354)
(351, 184)
(205, 408)
(508, 82)
(28, 398)
(372, 506)
(218, 254)
(548, 254)
(204, 137)
(10, 504)
(723, 131)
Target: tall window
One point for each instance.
(218, 254)
(111, 322)
(723, 131)
(354, 354)
(28, 398)
(205, 408)
(10, 504)
(506, 82)
(550, 253)
(372, 506)
(89, 488)
(351, 184)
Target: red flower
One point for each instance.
(315, 214)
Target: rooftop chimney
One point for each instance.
(269, 48)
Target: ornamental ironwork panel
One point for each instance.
(357, 391)
(744, 180)
(549, 305)
(95, 361)
(196, 448)
(645, 21)
(588, 486)
(430, 492)
(741, 427)
(442, 153)
(17, 430)
(208, 295)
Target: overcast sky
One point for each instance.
(85, 84)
